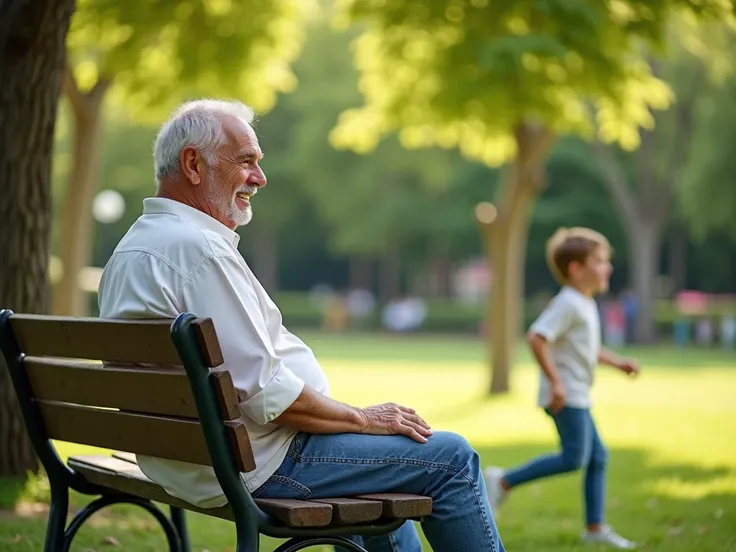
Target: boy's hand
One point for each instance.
(558, 398)
(629, 367)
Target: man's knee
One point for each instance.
(456, 447)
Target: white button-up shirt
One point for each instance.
(178, 259)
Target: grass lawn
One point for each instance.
(671, 434)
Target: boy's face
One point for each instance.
(594, 274)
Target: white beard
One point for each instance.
(228, 207)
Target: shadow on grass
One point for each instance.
(673, 507)
(666, 506)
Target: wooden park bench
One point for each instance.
(179, 407)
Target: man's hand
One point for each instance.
(392, 419)
(558, 398)
(629, 366)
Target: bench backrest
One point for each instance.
(122, 385)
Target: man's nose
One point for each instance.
(258, 178)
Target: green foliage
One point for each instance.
(707, 188)
(369, 202)
(463, 73)
(161, 51)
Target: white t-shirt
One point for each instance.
(177, 259)
(571, 326)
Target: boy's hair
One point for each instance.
(572, 244)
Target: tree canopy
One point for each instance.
(463, 73)
(163, 51)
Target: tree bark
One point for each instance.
(77, 223)
(505, 241)
(31, 65)
(645, 245)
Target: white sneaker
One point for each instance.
(608, 536)
(496, 492)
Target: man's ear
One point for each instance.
(190, 161)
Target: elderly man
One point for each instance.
(181, 256)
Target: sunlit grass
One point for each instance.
(671, 434)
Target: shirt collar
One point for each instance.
(161, 205)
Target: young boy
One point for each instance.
(566, 342)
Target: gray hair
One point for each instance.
(196, 124)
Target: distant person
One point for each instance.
(630, 304)
(181, 256)
(566, 342)
(614, 323)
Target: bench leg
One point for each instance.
(178, 516)
(90, 509)
(57, 519)
(295, 544)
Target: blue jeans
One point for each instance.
(445, 468)
(581, 448)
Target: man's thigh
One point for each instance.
(320, 466)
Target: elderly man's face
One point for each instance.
(236, 175)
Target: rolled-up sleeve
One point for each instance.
(221, 290)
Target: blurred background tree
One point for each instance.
(148, 56)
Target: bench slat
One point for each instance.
(138, 389)
(297, 513)
(348, 511)
(144, 341)
(171, 438)
(126, 477)
(396, 505)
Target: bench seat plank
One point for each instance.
(127, 477)
(397, 505)
(120, 472)
(349, 511)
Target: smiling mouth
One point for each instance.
(245, 196)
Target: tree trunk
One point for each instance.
(505, 241)
(645, 243)
(266, 258)
(506, 246)
(644, 213)
(678, 258)
(77, 222)
(31, 65)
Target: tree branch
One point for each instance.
(683, 131)
(71, 90)
(616, 182)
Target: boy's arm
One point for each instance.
(538, 345)
(627, 365)
(552, 323)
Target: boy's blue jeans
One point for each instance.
(581, 448)
(446, 468)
